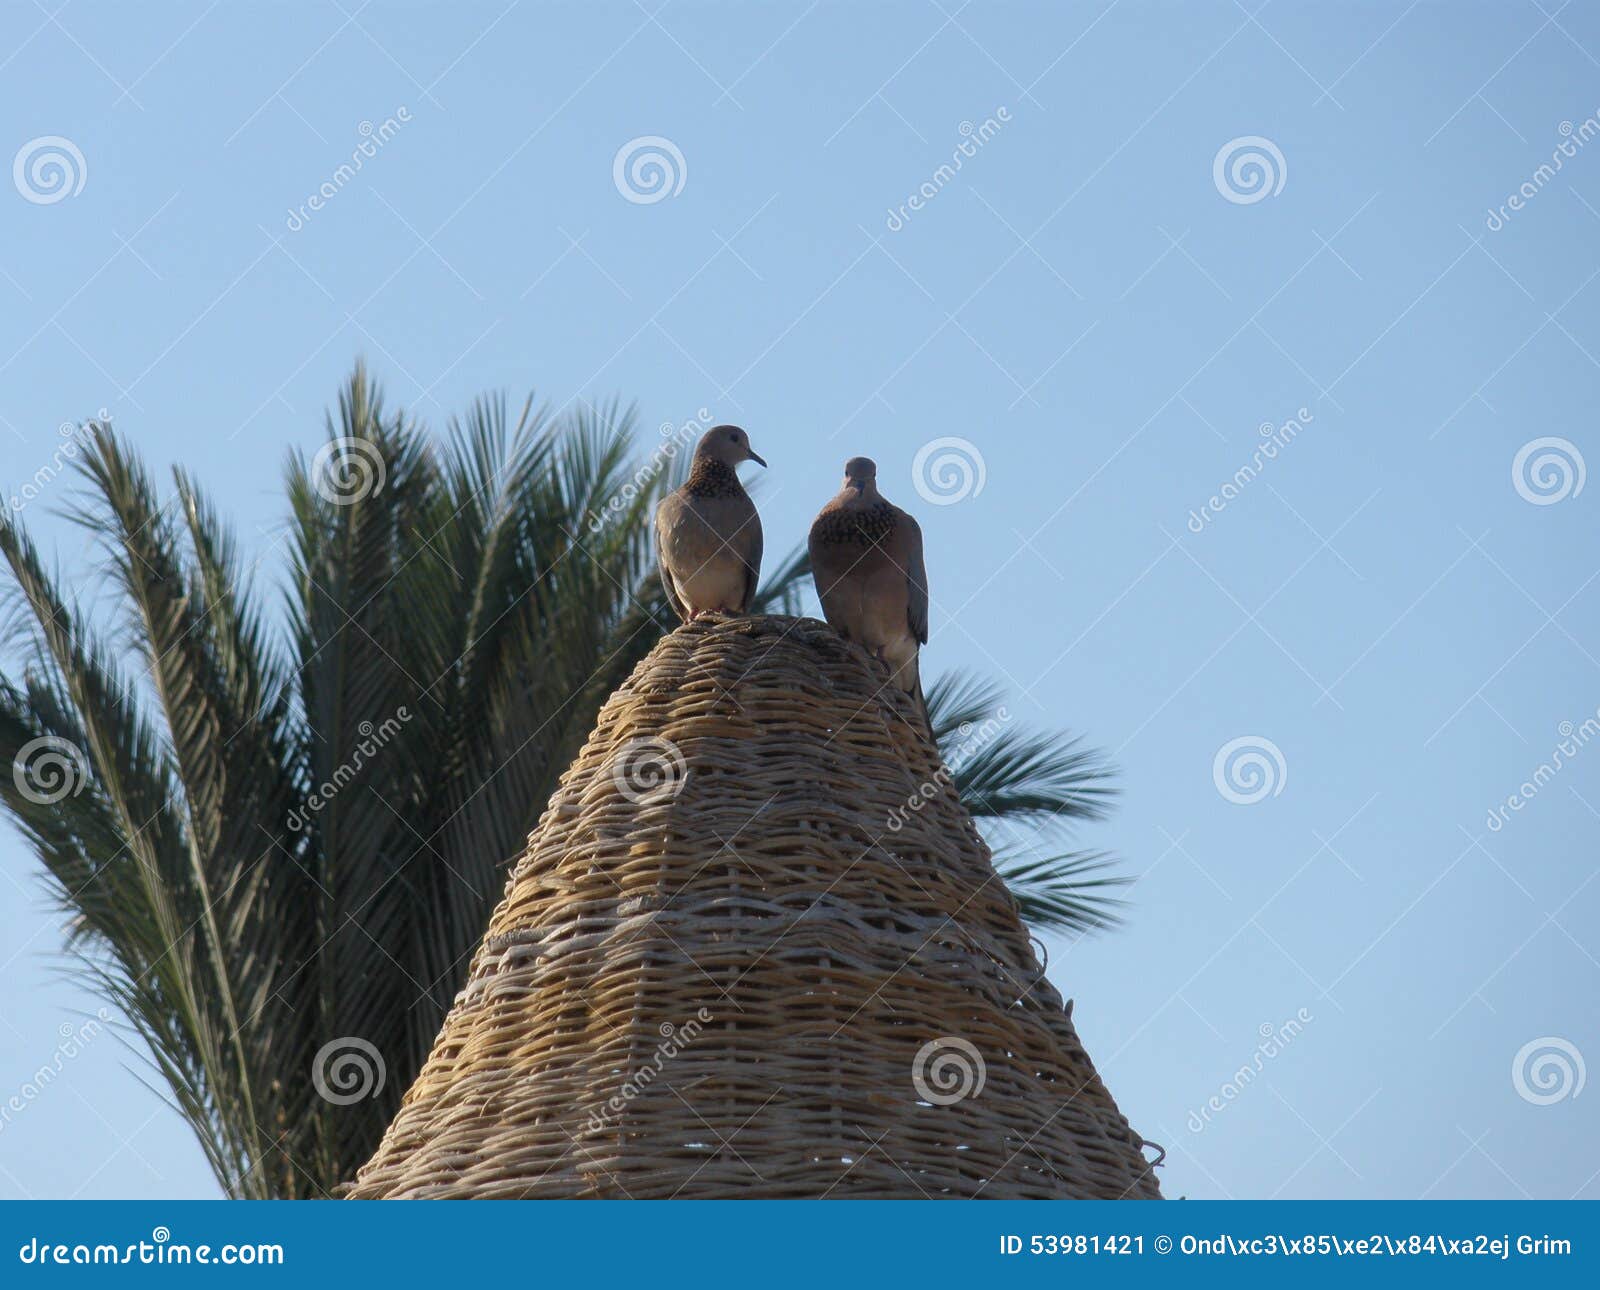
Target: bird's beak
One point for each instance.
(760, 461)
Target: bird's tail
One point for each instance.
(909, 671)
(922, 707)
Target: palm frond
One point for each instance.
(118, 851)
(1008, 775)
(284, 833)
(1069, 892)
(781, 589)
(961, 698)
(1003, 769)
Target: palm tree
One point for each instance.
(272, 830)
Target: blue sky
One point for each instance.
(1403, 617)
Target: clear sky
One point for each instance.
(1105, 311)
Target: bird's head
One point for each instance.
(727, 444)
(861, 476)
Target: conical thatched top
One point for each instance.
(720, 970)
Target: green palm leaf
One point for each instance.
(284, 831)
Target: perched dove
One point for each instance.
(866, 558)
(708, 534)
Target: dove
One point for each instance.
(866, 559)
(708, 535)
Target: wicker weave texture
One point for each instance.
(719, 970)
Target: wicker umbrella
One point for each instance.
(757, 948)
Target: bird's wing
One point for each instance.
(750, 551)
(826, 571)
(916, 579)
(816, 545)
(663, 514)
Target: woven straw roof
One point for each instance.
(717, 971)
